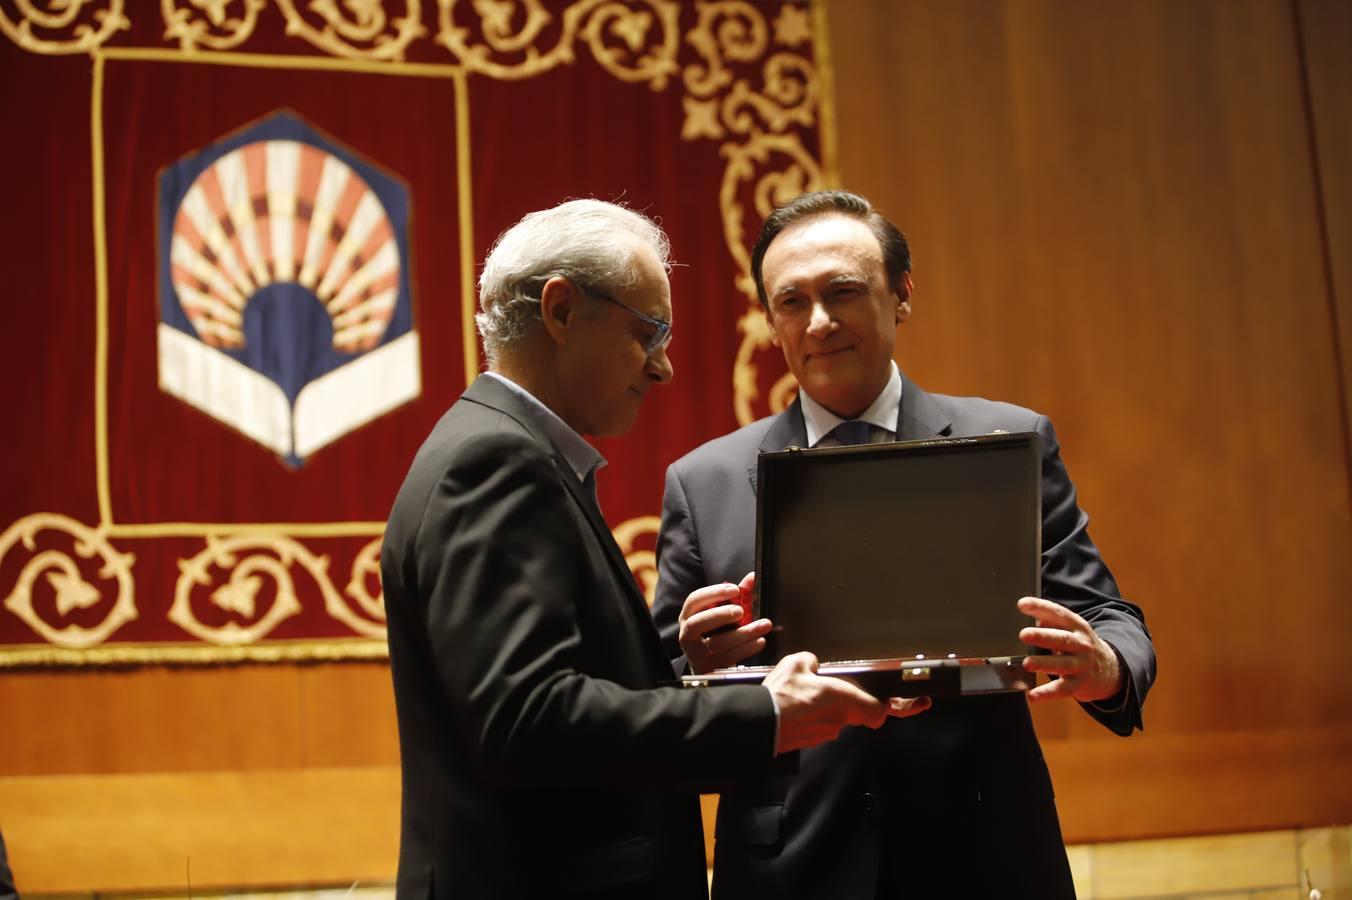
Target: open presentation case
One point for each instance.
(899, 564)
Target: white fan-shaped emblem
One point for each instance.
(280, 211)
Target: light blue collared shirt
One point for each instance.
(581, 456)
(881, 414)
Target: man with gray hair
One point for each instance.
(541, 756)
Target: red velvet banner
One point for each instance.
(242, 240)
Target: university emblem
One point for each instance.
(285, 309)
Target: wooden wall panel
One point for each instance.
(76, 834)
(1113, 213)
(1326, 33)
(197, 719)
(1116, 216)
(260, 774)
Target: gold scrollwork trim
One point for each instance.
(788, 98)
(247, 560)
(727, 29)
(242, 563)
(782, 392)
(624, 41)
(637, 58)
(800, 172)
(72, 590)
(755, 124)
(747, 164)
(826, 81)
(62, 31)
(238, 594)
(356, 29)
(365, 567)
(745, 385)
(219, 30)
(325, 650)
(643, 563)
(732, 30)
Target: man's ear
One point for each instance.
(770, 323)
(560, 304)
(904, 290)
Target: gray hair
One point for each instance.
(581, 240)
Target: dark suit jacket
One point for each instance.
(7, 889)
(956, 799)
(539, 757)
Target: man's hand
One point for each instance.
(1086, 667)
(813, 708)
(713, 607)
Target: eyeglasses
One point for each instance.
(657, 340)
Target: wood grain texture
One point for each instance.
(1114, 220)
(1115, 212)
(1201, 782)
(1202, 864)
(82, 833)
(164, 719)
(1326, 33)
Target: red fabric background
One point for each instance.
(574, 131)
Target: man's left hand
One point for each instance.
(1086, 667)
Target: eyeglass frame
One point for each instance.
(660, 338)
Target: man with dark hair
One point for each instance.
(956, 800)
(540, 756)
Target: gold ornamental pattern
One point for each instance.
(210, 24)
(751, 85)
(74, 572)
(351, 29)
(62, 27)
(252, 577)
(751, 79)
(356, 29)
(363, 587)
(642, 562)
(634, 42)
(760, 124)
(73, 587)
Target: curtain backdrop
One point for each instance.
(241, 240)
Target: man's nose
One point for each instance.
(659, 366)
(819, 323)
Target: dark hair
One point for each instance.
(896, 254)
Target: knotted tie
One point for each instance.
(852, 432)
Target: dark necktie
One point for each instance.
(852, 432)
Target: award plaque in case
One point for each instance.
(899, 564)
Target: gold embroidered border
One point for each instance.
(318, 650)
(766, 163)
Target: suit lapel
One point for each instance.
(919, 418)
(598, 523)
(787, 430)
(492, 393)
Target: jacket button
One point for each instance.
(873, 807)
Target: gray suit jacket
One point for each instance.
(540, 757)
(956, 799)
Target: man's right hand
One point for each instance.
(706, 636)
(814, 708)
